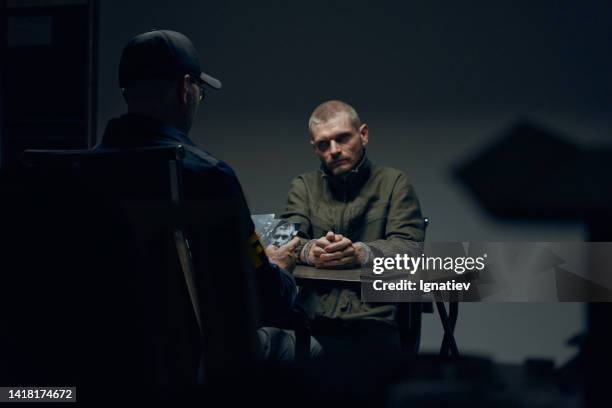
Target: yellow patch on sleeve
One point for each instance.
(257, 252)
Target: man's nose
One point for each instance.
(334, 148)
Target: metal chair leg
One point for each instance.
(448, 342)
(409, 326)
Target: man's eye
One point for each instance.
(343, 138)
(323, 146)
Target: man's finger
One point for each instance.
(329, 257)
(350, 251)
(322, 242)
(317, 251)
(339, 246)
(348, 260)
(291, 245)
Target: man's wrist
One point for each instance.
(364, 253)
(304, 253)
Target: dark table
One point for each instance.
(309, 274)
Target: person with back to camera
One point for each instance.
(162, 82)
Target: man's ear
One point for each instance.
(363, 134)
(183, 89)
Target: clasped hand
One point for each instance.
(335, 250)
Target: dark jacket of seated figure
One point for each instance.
(373, 204)
(210, 179)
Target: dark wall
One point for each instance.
(425, 56)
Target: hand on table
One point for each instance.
(335, 250)
(283, 256)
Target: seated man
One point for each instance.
(162, 83)
(350, 211)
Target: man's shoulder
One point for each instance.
(200, 156)
(205, 172)
(387, 173)
(310, 177)
(389, 179)
(199, 160)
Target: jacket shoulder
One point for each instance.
(309, 178)
(208, 174)
(388, 173)
(198, 155)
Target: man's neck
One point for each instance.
(161, 116)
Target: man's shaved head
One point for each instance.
(331, 109)
(337, 136)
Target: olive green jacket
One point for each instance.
(371, 204)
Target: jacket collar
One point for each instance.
(132, 130)
(351, 181)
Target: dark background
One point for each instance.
(436, 81)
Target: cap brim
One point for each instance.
(210, 81)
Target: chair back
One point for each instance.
(102, 251)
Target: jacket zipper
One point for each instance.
(343, 210)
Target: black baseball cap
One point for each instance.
(161, 54)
